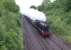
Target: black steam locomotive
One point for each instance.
(41, 26)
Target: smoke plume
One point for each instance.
(25, 9)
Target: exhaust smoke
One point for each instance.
(25, 9)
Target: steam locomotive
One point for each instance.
(41, 26)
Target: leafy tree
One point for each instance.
(58, 16)
(10, 34)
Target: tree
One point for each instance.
(10, 34)
(59, 17)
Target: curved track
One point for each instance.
(34, 41)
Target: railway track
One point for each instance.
(33, 40)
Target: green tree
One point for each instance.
(10, 33)
(58, 16)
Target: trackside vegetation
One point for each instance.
(59, 17)
(11, 37)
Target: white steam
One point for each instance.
(25, 9)
(28, 3)
(35, 14)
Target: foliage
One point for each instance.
(59, 17)
(10, 34)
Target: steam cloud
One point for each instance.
(25, 9)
